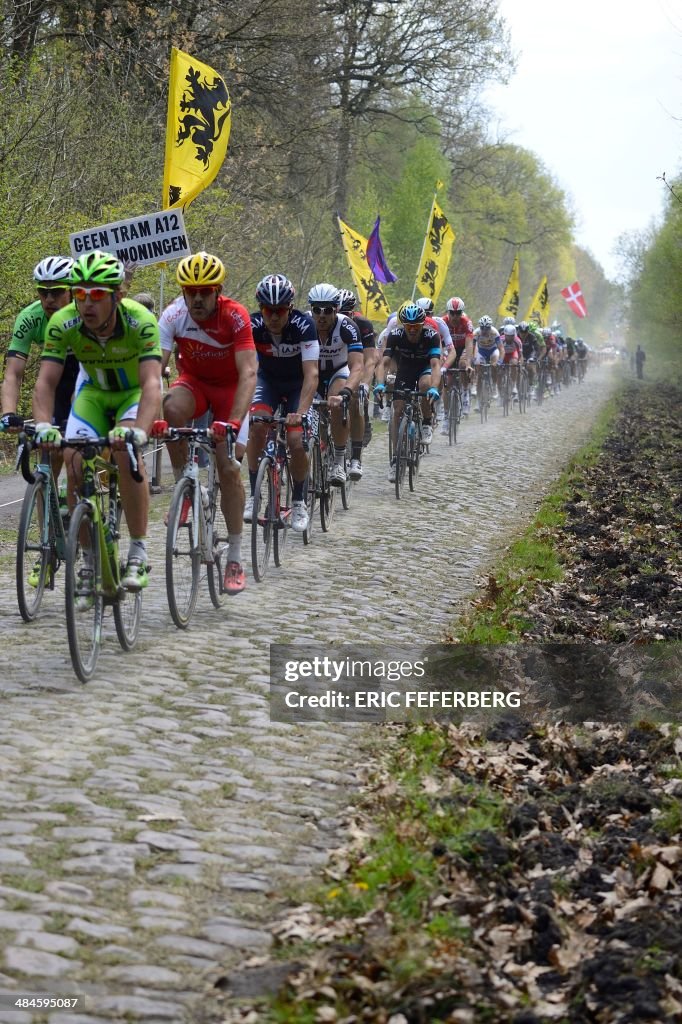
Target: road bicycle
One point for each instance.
(485, 390)
(322, 458)
(410, 444)
(41, 540)
(196, 535)
(362, 399)
(453, 400)
(272, 496)
(523, 389)
(93, 567)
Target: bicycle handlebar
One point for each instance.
(27, 443)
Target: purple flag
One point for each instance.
(376, 259)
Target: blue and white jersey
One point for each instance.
(343, 338)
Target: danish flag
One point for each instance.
(574, 297)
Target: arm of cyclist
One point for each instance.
(311, 375)
(49, 375)
(11, 385)
(247, 365)
(435, 374)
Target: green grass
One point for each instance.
(499, 615)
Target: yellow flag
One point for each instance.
(197, 128)
(435, 254)
(372, 301)
(539, 307)
(510, 300)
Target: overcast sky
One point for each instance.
(596, 96)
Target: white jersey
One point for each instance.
(487, 337)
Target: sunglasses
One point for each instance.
(192, 289)
(327, 310)
(56, 290)
(275, 310)
(96, 294)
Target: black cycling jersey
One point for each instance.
(281, 359)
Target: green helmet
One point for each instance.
(100, 268)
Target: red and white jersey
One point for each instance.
(460, 331)
(207, 350)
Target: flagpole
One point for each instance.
(426, 238)
(343, 243)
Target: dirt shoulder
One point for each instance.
(523, 872)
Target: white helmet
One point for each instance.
(508, 320)
(326, 293)
(53, 270)
(485, 322)
(426, 304)
(509, 330)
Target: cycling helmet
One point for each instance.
(98, 267)
(509, 330)
(523, 326)
(275, 290)
(411, 313)
(324, 293)
(579, 341)
(53, 270)
(425, 304)
(199, 270)
(546, 332)
(485, 322)
(348, 301)
(509, 320)
(455, 305)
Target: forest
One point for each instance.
(354, 107)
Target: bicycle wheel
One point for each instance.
(389, 424)
(84, 605)
(215, 570)
(35, 550)
(183, 557)
(283, 524)
(414, 453)
(127, 610)
(523, 391)
(312, 490)
(328, 495)
(484, 397)
(455, 413)
(401, 457)
(505, 392)
(263, 520)
(347, 488)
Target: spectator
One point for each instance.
(640, 356)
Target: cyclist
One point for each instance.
(581, 354)
(462, 333)
(488, 349)
(413, 354)
(532, 347)
(512, 355)
(341, 365)
(360, 424)
(216, 357)
(288, 357)
(53, 280)
(551, 356)
(116, 342)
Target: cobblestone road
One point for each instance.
(150, 820)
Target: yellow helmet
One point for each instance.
(200, 269)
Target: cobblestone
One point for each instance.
(151, 820)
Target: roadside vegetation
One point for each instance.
(524, 869)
